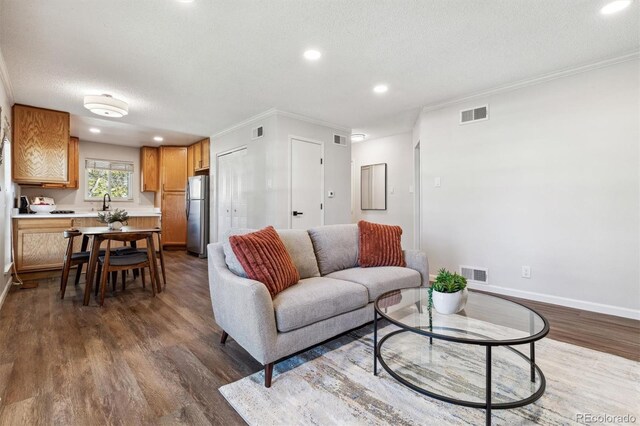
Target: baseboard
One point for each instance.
(558, 300)
(7, 286)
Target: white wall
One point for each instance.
(269, 168)
(70, 199)
(397, 152)
(6, 199)
(550, 181)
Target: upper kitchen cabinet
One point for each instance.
(73, 167)
(204, 154)
(173, 160)
(201, 155)
(40, 148)
(191, 164)
(149, 169)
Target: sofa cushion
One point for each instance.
(316, 299)
(380, 279)
(297, 242)
(380, 245)
(264, 258)
(300, 249)
(229, 256)
(336, 247)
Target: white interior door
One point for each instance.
(232, 194)
(306, 184)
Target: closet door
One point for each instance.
(239, 191)
(225, 170)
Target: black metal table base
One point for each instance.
(488, 405)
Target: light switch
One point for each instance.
(410, 189)
(436, 182)
(392, 190)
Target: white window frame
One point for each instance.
(86, 179)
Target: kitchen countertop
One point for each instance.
(82, 214)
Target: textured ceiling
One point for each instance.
(201, 67)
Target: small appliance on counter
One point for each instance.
(24, 205)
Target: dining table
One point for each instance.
(97, 234)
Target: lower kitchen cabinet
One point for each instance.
(174, 219)
(39, 244)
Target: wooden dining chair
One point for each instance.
(138, 259)
(72, 259)
(159, 254)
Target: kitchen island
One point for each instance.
(39, 244)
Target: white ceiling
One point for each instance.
(200, 67)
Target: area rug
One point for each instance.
(334, 384)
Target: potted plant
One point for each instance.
(448, 293)
(114, 220)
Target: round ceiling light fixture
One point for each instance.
(615, 6)
(358, 137)
(312, 55)
(381, 88)
(94, 130)
(158, 138)
(106, 106)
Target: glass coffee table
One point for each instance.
(469, 358)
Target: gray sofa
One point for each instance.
(333, 295)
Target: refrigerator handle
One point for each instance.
(187, 200)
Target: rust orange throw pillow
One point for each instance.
(380, 245)
(264, 258)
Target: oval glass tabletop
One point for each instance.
(485, 318)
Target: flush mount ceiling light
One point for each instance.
(106, 105)
(357, 137)
(94, 130)
(615, 6)
(312, 55)
(158, 138)
(381, 88)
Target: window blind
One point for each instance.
(120, 166)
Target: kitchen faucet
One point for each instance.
(106, 206)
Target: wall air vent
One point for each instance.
(340, 140)
(257, 132)
(475, 274)
(475, 114)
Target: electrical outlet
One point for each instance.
(526, 272)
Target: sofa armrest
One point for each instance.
(417, 260)
(242, 307)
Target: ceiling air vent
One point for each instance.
(340, 140)
(257, 132)
(475, 114)
(474, 274)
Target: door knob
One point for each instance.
(297, 213)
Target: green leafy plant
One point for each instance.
(447, 282)
(115, 216)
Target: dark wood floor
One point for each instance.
(157, 360)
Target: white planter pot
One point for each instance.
(116, 226)
(450, 303)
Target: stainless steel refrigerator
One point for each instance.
(198, 215)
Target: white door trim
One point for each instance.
(289, 177)
(213, 205)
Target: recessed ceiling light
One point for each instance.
(615, 6)
(185, 1)
(312, 55)
(357, 137)
(94, 130)
(381, 88)
(106, 105)
(158, 138)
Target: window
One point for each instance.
(108, 177)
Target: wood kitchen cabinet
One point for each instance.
(173, 181)
(149, 169)
(201, 155)
(174, 219)
(191, 165)
(40, 148)
(173, 160)
(39, 244)
(73, 167)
